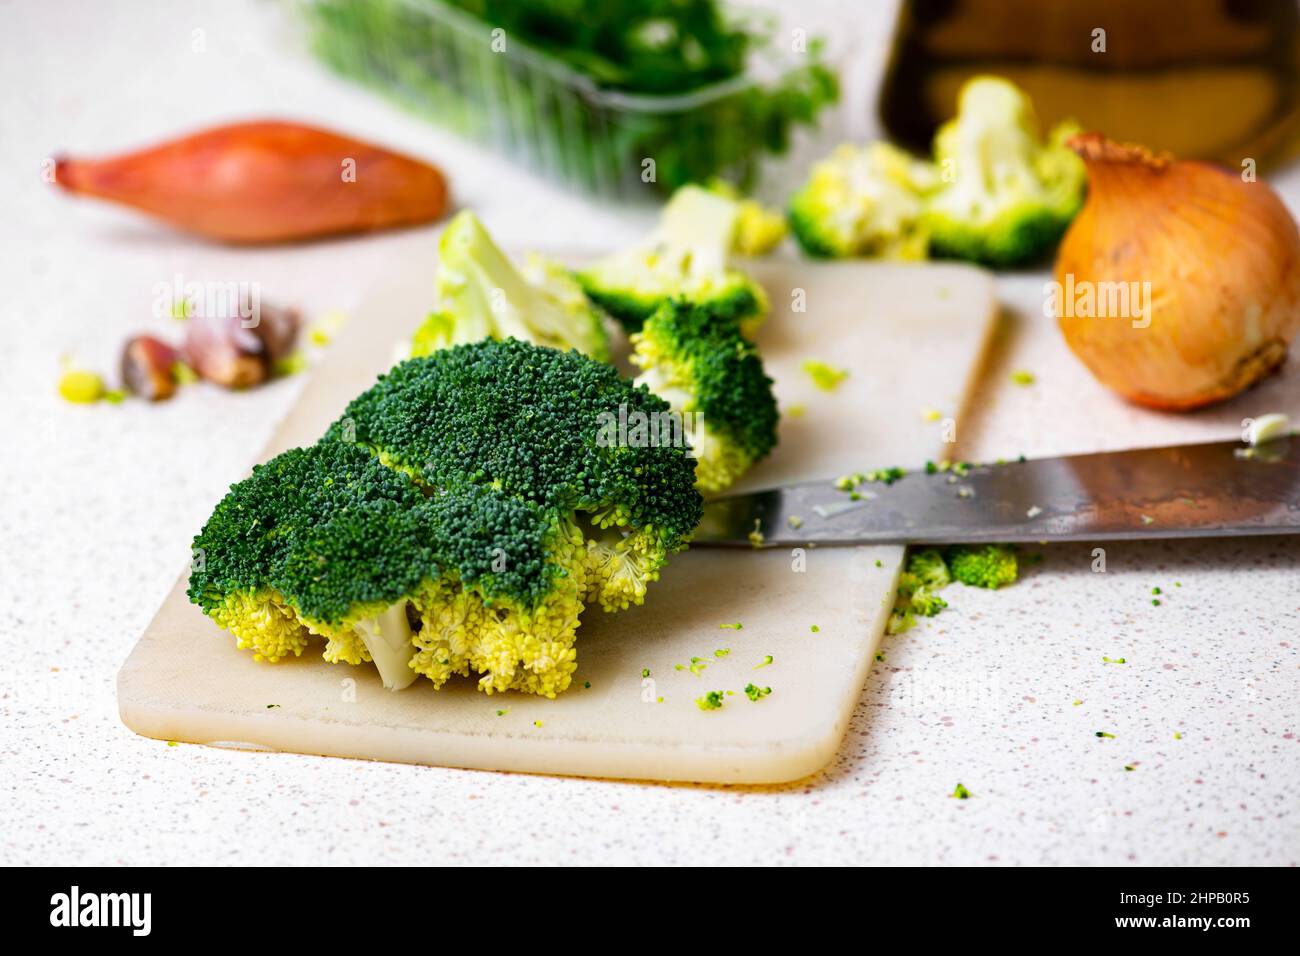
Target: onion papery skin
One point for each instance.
(1222, 257)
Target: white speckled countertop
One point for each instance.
(100, 503)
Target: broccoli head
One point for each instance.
(713, 377)
(457, 519)
(983, 566)
(686, 257)
(1006, 197)
(328, 542)
(544, 426)
(318, 541)
(481, 295)
(866, 201)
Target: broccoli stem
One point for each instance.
(387, 637)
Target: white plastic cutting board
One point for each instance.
(912, 338)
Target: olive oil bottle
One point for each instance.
(1206, 79)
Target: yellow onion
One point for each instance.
(1210, 270)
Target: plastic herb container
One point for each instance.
(442, 63)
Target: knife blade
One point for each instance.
(1204, 490)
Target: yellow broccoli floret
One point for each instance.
(263, 623)
(864, 201)
(759, 229)
(481, 295)
(1006, 197)
(687, 258)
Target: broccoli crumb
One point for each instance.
(81, 387)
(1102, 733)
(796, 411)
(1155, 590)
(503, 711)
(537, 723)
(1022, 377)
(1178, 735)
(645, 672)
(754, 692)
(960, 793)
(323, 330)
(722, 652)
(1117, 660)
(731, 627)
(815, 629)
(1147, 519)
(887, 475)
(826, 377)
(710, 701)
(184, 374)
(586, 684)
(1267, 427)
(272, 706)
(1077, 702)
(756, 537)
(767, 659)
(931, 414)
(1155, 601)
(289, 365)
(878, 564)
(795, 522)
(880, 656)
(1129, 767)
(851, 483)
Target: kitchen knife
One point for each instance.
(1216, 489)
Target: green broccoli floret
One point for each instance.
(983, 566)
(542, 425)
(713, 378)
(1006, 196)
(323, 541)
(864, 201)
(326, 541)
(686, 257)
(481, 295)
(930, 569)
(456, 519)
(918, 591)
